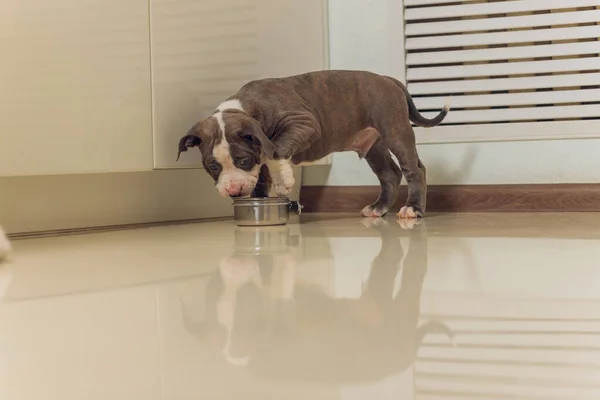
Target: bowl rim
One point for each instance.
(261, 201)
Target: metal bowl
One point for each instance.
(266, 211)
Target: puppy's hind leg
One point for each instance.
(402, 144)
(381, 162)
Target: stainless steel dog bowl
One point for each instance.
(263, 211)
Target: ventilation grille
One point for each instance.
(499, 61)
(510, 348)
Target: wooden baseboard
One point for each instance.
(462, 198)
(109, 228)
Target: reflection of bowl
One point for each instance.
(263, 211)
(264, 240)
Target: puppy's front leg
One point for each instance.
(299, 132)
(282, 176)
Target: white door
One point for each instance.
(86, 84)
(75, 93)
(94, 97)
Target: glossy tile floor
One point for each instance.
(503, 306)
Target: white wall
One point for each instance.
(364, 34)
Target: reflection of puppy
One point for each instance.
(4, 245)
(358, 339)
(317, 337)
(236, 298)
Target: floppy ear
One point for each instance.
(252, 128)
(186, 142)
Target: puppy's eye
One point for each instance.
(214, 166)
(248, 138)
(244, 161)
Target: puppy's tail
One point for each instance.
(420, 120)
(434, 327)
(413, 112)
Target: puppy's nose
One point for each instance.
(234, 190)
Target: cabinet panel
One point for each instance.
(75, 87)
(204, 51)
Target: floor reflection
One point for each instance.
(260, 316)
(499, 306)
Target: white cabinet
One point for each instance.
(204, 51)
(75, 93)
(90, 86)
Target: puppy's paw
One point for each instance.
(374, 212)
(282, 175)
(409, 223)
(409, 212)
(371, 222)
(285, 185)
(281, 189)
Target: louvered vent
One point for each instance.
(518, 62)
(510, 349)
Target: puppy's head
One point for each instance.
(233, 147)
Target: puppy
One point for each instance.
(253, 138)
